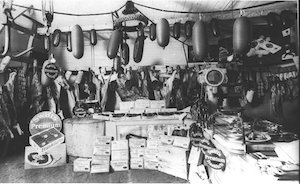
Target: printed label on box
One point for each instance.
(153, 143)
(151, 152)
(151, 164)
(137, 152)
(136, 163)
(167, 139)
(100, 168)
(119, 145)
(183, 142)
(119, 155)
(119, 165)
(127, 105)
(82, 165)
(54, 157)
(101, 150)
(137, 143)
(157, 104)
(100, 159)
(142, 104)
(102, 140)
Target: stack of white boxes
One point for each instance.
(82, 165)
(151, 151)
(119, 155)
(172, 157)
(137, 152)
(101, 155)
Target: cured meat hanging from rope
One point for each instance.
(5, 122)
(36, 90)
(20, 89)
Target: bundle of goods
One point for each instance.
(101, 155)
(119, 155)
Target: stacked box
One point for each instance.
(101, 155)
(119, 155)
(137, 152)
(151, 152)
(82, 165)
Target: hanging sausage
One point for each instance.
(77, 41)
(56, 37)
(117, 63)
(241, 35)
(138, 48)
(177, 30)
(163, 32)
(188, 29)
(125, 53)
(214, 25)
(47, 43)
(113, 44)
(93, 37)
(69, 41)
(152, 30)
(199, 40)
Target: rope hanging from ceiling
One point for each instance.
(153, 8)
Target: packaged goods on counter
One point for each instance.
(119, 165)
(151, 153)
(82, 165)
(183, 142)
(46, 140)
(137, 143)
(119, 144)
(142, 104)
(102, 150)
(119, 155)
(102, 140)
(158, 104)
(52, 158)
(150, 163)
(137, 163)
(100, 159)
(126, 105)
(167, 139)
(137, 152)
(153, 143)
(100, 168)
